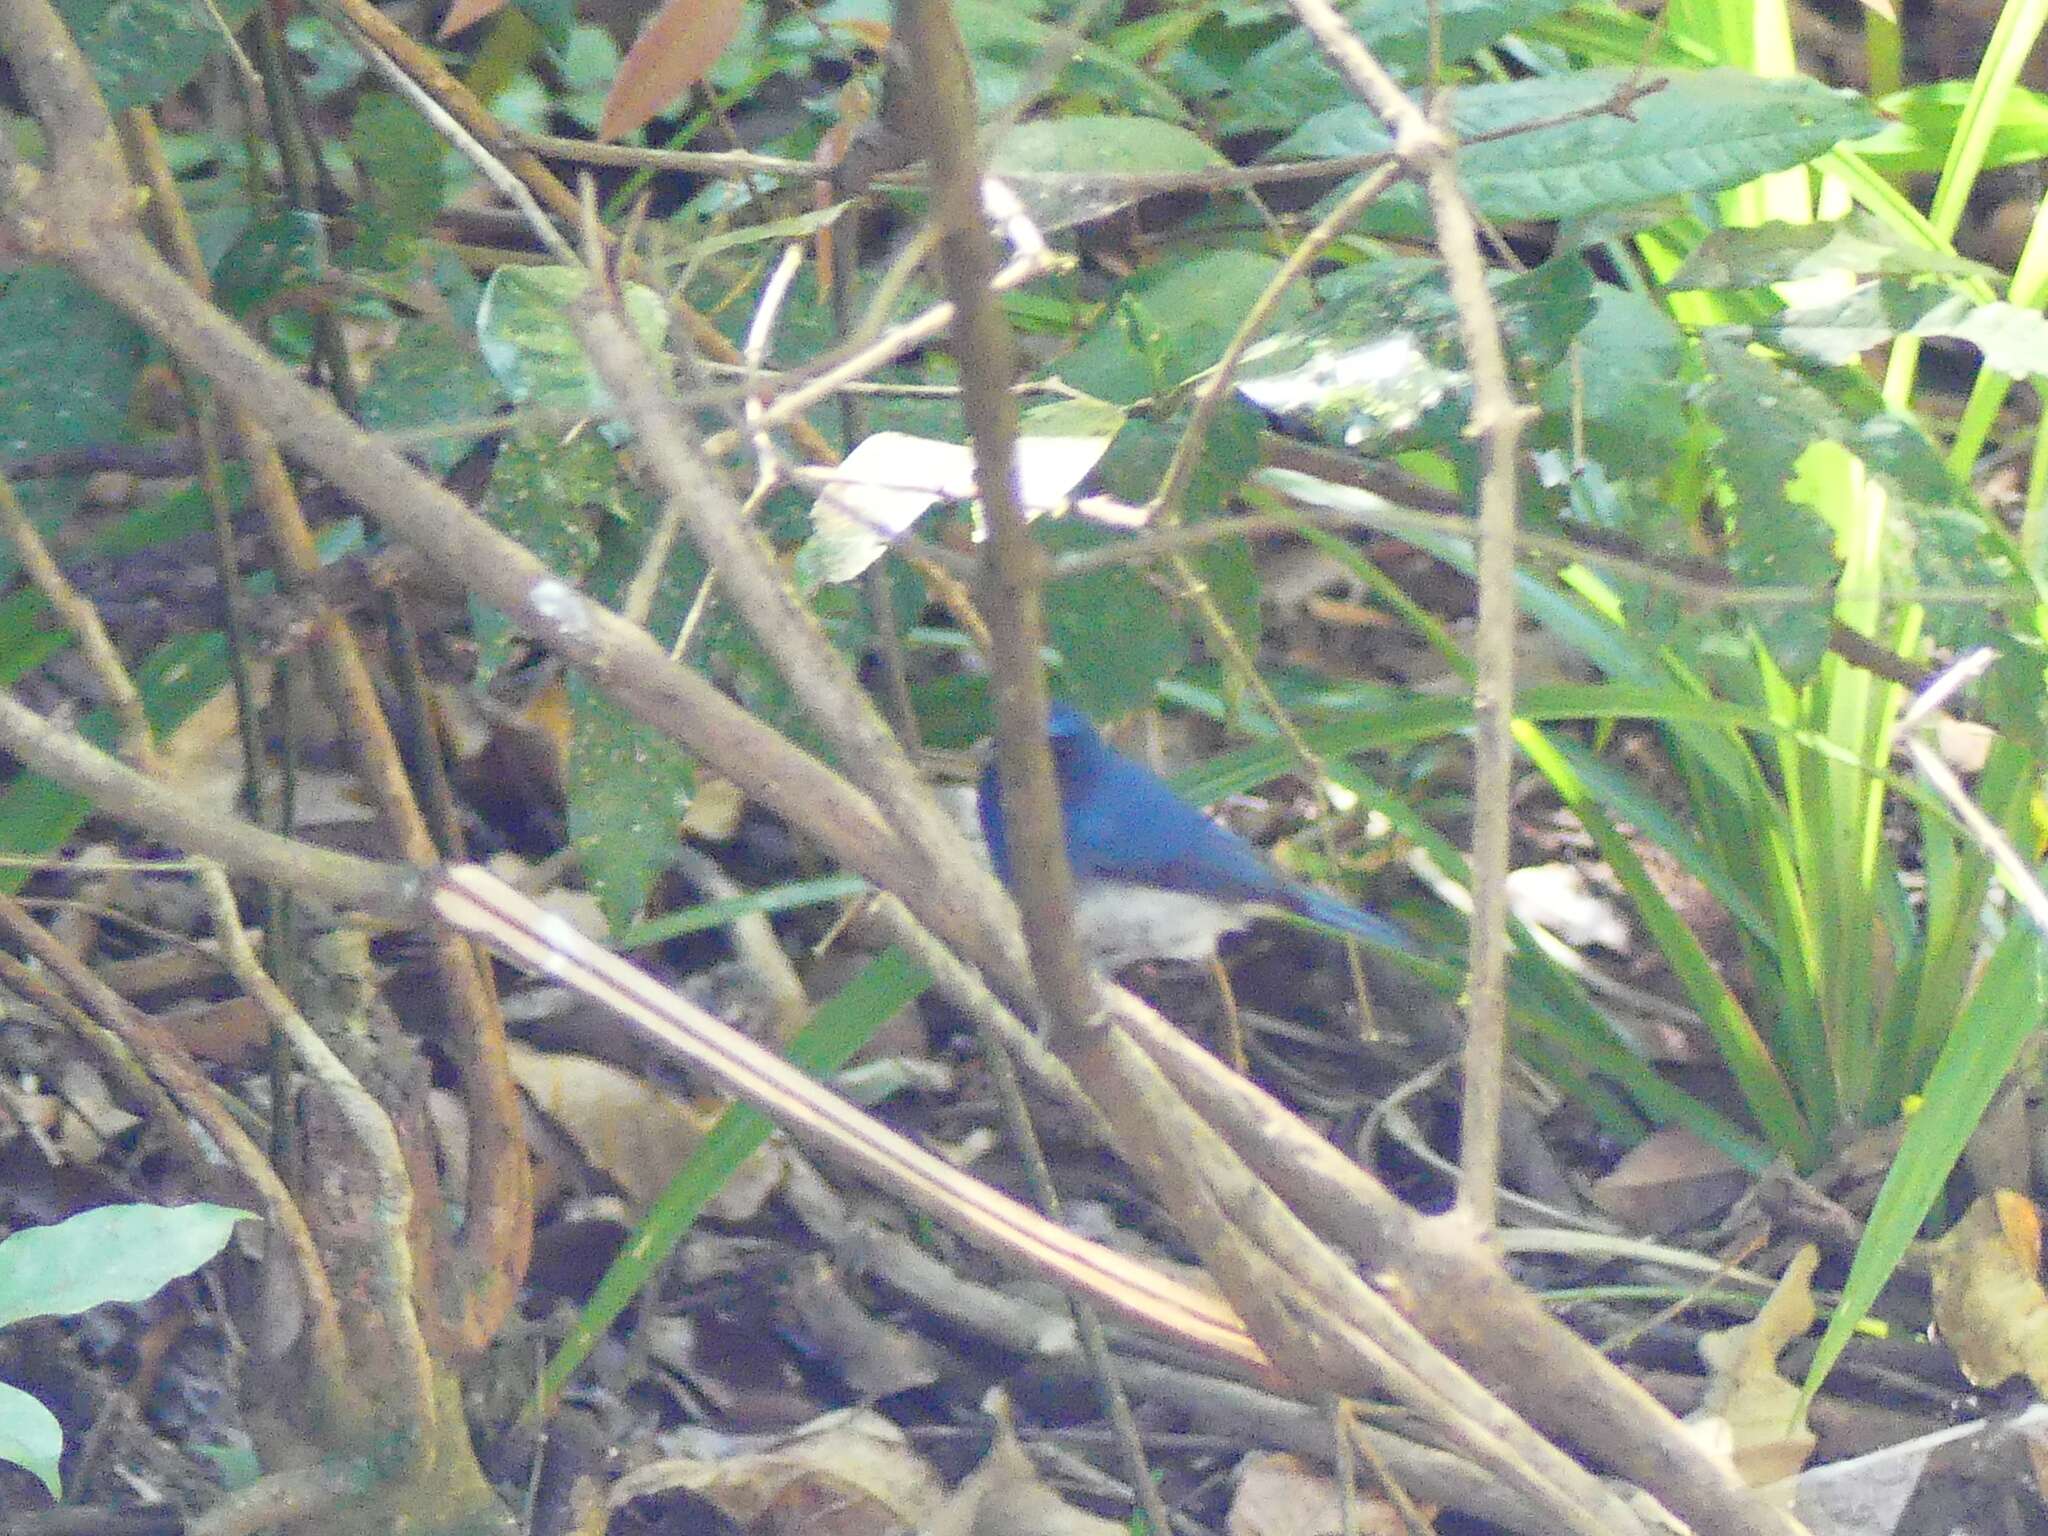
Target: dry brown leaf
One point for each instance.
(1005, 1496)
(1760, 1410)
(675, 49)
(1989, 1307)
(853, 1472)
(876, 1358)
(635, 1134)
(1670, 1180)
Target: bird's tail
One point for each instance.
(1347, 919)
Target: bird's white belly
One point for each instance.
(1119, 924)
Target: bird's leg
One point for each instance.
(1233, 1026)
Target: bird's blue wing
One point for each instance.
(1128, 825)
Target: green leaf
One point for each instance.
(401, 180)
(2014, 340)
(113, 1253)
(529, 346)
(68, 362)
(2002, 1012)
(1779, 252)
(628, 788)
(1923, 121)
(1289, 78)
(1770, 416)
(1381, 363)
(431, 378)
(1171, 321)
(1623, 392)
(549, 495)
(273, 256)
(142, 50)
(1068, 170)
(1701, 132)
(1117, 637)
(31, 1437)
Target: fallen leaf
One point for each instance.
(1761, 1411)
(634, 1133)
(1989, 1306)
(1668, 1181)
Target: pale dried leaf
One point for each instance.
(634, 1133)
(1762, 1411)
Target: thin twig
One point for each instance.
(138, 742)
(1429, 154)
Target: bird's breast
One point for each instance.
(1120, 923)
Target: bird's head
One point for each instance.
(1074, 741)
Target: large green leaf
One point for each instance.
(628, 788)
(113, 1253)
(68, 362)
(1070, 170)
(1623, 393)
(1699, 132)
(432, 377)
(400, 170)
(1769, 417)
(142, 50)
(1171, 321)
(1116, 635)
(1780, 252)
(2014, 340)
(1289, 78)
(529, 346)
(1381, 364)
(31, 1437)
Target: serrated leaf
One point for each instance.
(1069, 170)
(1171, 321)
(113, 1253)
(430, 378)
(1699, 132)
(628, 789)
(530, 348)
(31, 1437)
(142, 50)
(1289, 78)
(1779, 252)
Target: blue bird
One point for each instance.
(1154, 877)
